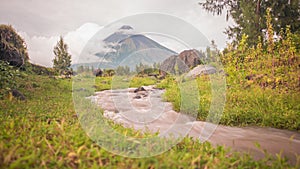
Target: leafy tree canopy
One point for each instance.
(250, 16)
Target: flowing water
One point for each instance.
(146, 111)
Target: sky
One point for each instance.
(41, 22)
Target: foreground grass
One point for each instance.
(44, 132)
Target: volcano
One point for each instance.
(130, 49)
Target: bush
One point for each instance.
(37, 69)
(12, 46)
(269, 65)
(7, 78)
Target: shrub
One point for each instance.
(12, 47)
(271, 64)
(7, 78)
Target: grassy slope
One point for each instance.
(43, 132)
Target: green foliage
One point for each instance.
(172, 93)
(250, 19)
(122, 70)
(7, 78)
(270, 32)
(62, 60)
(274, 66)
(252, 106)
(122, 82)
(255, 106)
(263, 83)
(86, 69)
(142, 81)
(37, 69)
(212, 53)
(80, 69)
(148, 70)
(140, 68)
(166, 83)
(109, 72)
(103, 83)
(12, 47)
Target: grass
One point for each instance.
(44, 132)
(251, 106)
(122, 82)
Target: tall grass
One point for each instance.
(244, 106)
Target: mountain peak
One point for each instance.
(126, 27)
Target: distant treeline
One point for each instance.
(121, 70)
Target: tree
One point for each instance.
(87, 68)
(212, 53)
(62, 60)
(80, 69)
(250, 16)
(122, 70)
(109, 72)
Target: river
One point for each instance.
(146, 111)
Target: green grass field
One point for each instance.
(44, 132)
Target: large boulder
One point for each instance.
(201, 70)
(174, 65)
(191, 57)
(182, 63)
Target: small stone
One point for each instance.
(18, 94)
(138, 97)
(139, 89)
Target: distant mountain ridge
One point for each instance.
(129, 49)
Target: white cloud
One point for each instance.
(94, 46)
(40, 48)
(77, 39)
(46, 18)
(169, 42)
